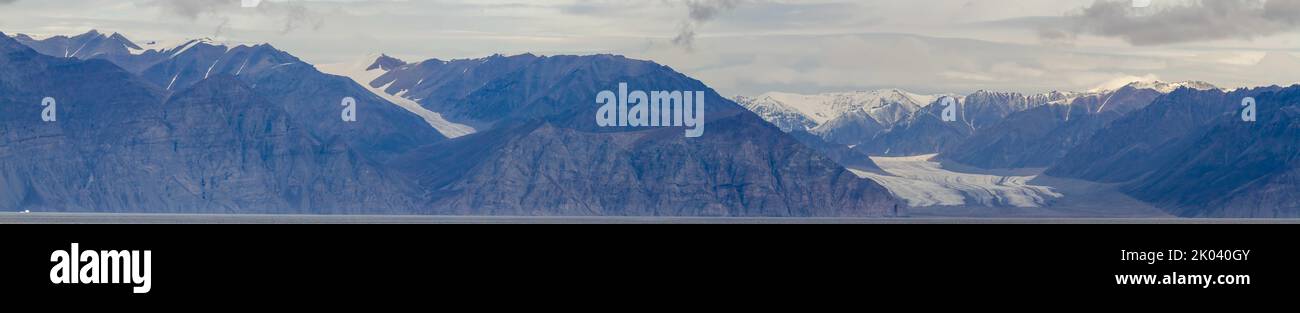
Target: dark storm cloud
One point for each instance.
(1190, 22)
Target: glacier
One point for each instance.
(363, 74)
(921, 181)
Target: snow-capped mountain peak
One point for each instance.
(1168, 87)
(887, 106)
(173, 52)
(778, 113)
(1152, 84)
(86, 45)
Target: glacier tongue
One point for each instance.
(922, 182)
(357, 72)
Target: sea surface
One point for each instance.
(132, 218)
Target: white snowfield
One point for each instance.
(887, 106)
(921, 182)
(358, 73)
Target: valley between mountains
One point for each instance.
(1146, 149)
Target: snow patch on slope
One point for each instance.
(922, 182)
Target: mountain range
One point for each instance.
(207, 127)
(1037, 137)
(202, 126)
(1178, 146)
(124, 142)
(1190, 153)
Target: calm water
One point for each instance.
(123, 218)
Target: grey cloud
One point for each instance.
(593, 7)
(291, 14)
(1056, 37)
(686, 37)
(192, 9)
(700, 12)
(1194, 21)
(3, 2)
(705, 10)
(220, 28)
(296, 15)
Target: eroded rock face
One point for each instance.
(546, 152)
(1233, 168)
(652, 172)
(1133, 145)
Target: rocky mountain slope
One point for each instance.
(252, 129)
(1191, 154)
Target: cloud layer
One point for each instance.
(1198, 20)
(751, 46)
(291, 15)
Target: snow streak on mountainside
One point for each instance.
(368, 69)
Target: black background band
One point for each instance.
(232, 264)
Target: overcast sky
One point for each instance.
(747, 47)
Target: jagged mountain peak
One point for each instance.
(1167, 87)
(1153, 84)
(9, 44)
(385, 62)
(95, 34)
(91, 33)
(821, 108)
(175, 48)
(125, 41)
(190, 44)
(983, 92)
(91, 44)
